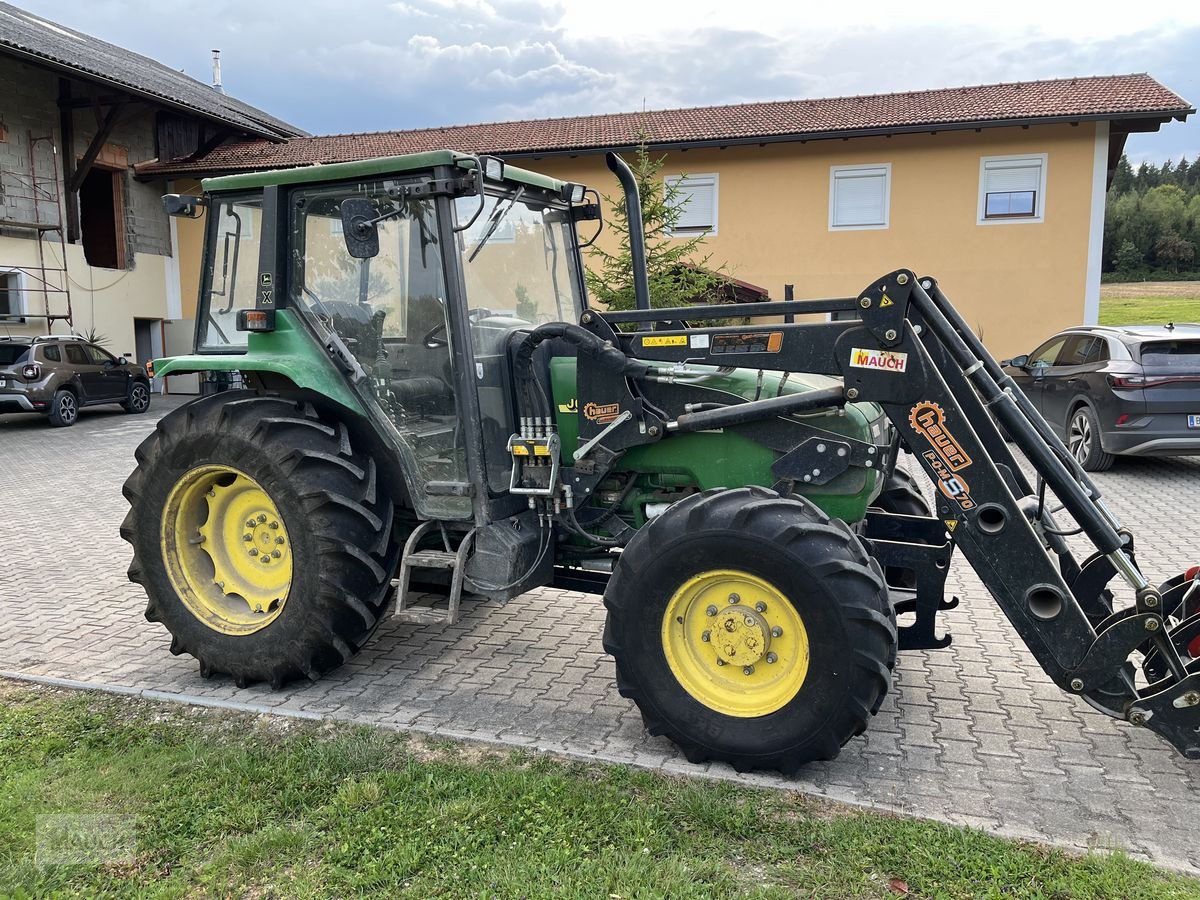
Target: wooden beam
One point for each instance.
(102, 99)
(66, 125)
(93, 150)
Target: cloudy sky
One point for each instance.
(364, 65)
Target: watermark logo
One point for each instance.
(84, 840)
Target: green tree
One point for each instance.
(1128, 259)
(1123, 177)
(526, 309)
(1174, 252)
(675, 270)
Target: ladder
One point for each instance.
(452, 560)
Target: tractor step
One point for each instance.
(446, 559)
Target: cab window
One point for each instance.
(1046, 354)
(230, 273)
(76, 356)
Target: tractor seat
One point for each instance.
(420, 391)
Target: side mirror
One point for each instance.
(184, 205)
(122, 361)
(1018, 362)
(359, 229)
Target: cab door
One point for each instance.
(1067, 378)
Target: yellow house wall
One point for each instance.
(107, 300)
(1015, 283)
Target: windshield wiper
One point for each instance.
(495, 219)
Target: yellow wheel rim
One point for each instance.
(735, 643)
(227, 552)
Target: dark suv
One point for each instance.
(56, 375)
(1129, 390)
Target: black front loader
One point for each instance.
(911, 353)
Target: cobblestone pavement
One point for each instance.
(975, 734)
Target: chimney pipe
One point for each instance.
(216, 72)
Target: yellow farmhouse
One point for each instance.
(998, 190)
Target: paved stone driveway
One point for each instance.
(975, 734)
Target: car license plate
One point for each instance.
(1193, 421)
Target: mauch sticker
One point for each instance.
(885, 360)
(601, 413)
(930, 422)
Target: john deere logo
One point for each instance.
(601, 413)
(570, 407)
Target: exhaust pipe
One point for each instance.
(637, 232)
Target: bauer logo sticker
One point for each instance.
(886, 360)
(930, 422)
(601, 413)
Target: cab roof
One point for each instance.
(367, 168)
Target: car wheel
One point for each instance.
(64, 408)
(139, 398)
(1083, 440)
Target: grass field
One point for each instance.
(1150, 303)
(211, 803)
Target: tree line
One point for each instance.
(1152, 222)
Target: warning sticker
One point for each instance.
(666, 340)
(885, 360)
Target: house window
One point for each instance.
(696, 199)
(1012, 188)
(859, 196)
(12, 297)
(102, 218)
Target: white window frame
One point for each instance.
(1039, 210)
(716, 201)
(22, 294)
(836, 171)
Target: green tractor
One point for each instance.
(425, 408)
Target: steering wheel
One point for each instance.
(435, 337)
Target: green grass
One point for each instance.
(224, 804)
(1149, 303)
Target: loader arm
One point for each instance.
(912, 354)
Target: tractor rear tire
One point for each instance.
(750, 628)
(261, 535)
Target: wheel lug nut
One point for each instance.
(720, 662)
(265, 559)
(253, 551)
(706, 637)
(771, 657)
(276, 554)
(747, 670)
(279, 540)
(711, 611)
(247, 536)
(262, 518)
(760, 606)
(250, 523)
(274, 524)
(776, 631)
(212, 493)
(734, 598)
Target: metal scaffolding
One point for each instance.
(39, 194)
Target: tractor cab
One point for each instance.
(414, 273)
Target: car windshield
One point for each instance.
(13, 354)
(1172, 355)
(517, 262)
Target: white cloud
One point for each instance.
(344, 65)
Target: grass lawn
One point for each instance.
(1150, 303)
(211, 803)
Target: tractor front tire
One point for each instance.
(261, 536)
(750, 628)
